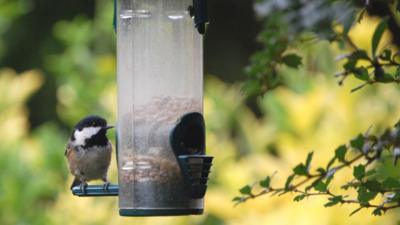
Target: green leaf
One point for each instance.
(373, 185)
(314, 183)
(397, 125)
(308, 160)
(334, 200)
(361, 15)
(377, 212)
(364, 195)
(390, 183)
(320, 186)
(321, 171)
(378, 33)
(370, 172)
(361, 73)
(340, 153)
(358, 142)
(381, 76)
(300, 170)
(384, 78)
(329, 204)
(292, 60)
(328, 180)
(354, 185)
(354, 58)
(359, 54)
(299, 197)
(289, 181)
(330, 163)
(237, 199)
(397, 74)
(395, 198)
(246, 190)
(386, 55)
(359, 172)
(265, 183)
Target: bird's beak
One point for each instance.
(108, 127)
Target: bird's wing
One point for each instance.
(109, 146)
(109, 149)
(72, 157)
(107, 160)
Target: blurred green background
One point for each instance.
(57, 64)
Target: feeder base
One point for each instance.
(160, 212)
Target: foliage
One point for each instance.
(26, 180)
(288, 23)
(264, 64)
(32, 165)
(376, 68)
(87, 53)
(370, 150)
(9, 12)
(381, 65)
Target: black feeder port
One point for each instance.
(188, 144)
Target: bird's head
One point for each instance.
(91, 131)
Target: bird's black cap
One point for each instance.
(91, 121)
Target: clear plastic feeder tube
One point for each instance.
(160, 79)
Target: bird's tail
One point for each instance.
(76, 182)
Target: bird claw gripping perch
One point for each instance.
(83, 187)
(106, 185)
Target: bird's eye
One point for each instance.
(94, 123)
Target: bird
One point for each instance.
(88, 152)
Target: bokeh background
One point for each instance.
(57, 64)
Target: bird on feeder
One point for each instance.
(89, 152)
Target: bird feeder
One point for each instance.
(162, 166)
(163, 169)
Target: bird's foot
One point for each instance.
(83, 187)
(106, 185)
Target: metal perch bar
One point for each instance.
(96, 190)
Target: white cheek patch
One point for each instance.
(85, 133)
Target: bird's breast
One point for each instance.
(93, 162)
